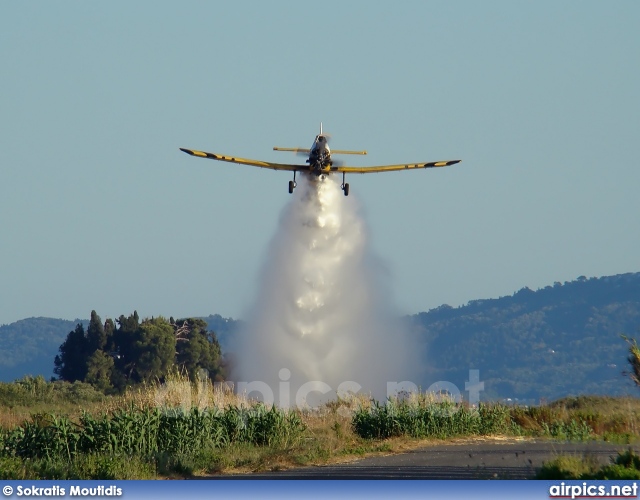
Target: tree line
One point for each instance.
(116, 354)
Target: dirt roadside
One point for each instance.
(490, 458)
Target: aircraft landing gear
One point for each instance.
(344, 186)
(293, 183)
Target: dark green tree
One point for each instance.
(112, 358)
(153, 350)
(634, 359)
(109, 330)
(71, 363)
(197, 348)
(96, 336)
(99, 368)
(122, 349)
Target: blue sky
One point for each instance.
(100, 210)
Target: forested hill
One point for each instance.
(224, 328)
(28, 346)
(560, 340)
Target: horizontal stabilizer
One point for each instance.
(293, 150)
(347, 152)
(333, 151)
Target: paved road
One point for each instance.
(465, 460)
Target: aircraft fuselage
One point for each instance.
(320, 156)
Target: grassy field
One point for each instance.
(183, 428)
(29, 395)
(625, 466)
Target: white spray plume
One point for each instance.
(322, 312)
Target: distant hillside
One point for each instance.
(563, 339)
(224, 328)
(28, 346)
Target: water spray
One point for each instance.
(322, 323)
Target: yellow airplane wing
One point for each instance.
(392, 168)
(244, 161)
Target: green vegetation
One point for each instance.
(569, 419)
(633, 359)
(184, 427)
(20, 399)
(112, 358)
(615, 419)
(159, 429)
(625, 466)
(97, 466)
(147, 432)
(29, 346)
(424, 418)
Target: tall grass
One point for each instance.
(147, 432)
(420, 419)
(183, 427)
(581, 418)
(28, 395)
(91, 466)
(623, 467)
(159, 427)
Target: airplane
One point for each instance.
(319, 162)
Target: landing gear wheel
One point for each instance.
(345, 185)
(291, 186)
